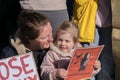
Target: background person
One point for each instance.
(56, 10)
(94, 19)
(104, 37)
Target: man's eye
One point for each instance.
(44, 37)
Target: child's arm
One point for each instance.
(48, 69)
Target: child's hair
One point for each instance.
(68, 27)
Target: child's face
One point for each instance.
(65, 42)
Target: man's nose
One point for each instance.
(51, 38)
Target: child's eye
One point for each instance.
(67, 41)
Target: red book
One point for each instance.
(81, 65)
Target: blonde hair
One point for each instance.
(68, 27)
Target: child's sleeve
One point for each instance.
(48, 71)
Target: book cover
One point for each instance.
(81, 65)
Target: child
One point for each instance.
(61, 51)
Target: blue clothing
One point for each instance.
(56, 17)
(104, 27)
(106, 57)
(103, 36)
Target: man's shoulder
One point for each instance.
(8, 51)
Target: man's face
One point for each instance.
(44, 39)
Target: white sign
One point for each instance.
(18, 68)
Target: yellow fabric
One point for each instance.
(84, 15)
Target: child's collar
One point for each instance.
(54, 48)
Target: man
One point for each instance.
(104, 36)
(34, 35)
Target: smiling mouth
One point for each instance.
(62, 48)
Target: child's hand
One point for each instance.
(61, 73)
(97, 67)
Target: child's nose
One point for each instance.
(63, 42)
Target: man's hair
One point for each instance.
(29, 23)
(68, 27)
